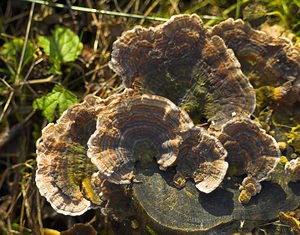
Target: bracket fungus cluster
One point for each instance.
(203, 74)
(100, 141)
(175, 73)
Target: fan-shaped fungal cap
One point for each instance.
(65, 175)
(276, 60)
(250, 150)
(136, 128)
(201, 157)
(180, 61)
(292, 169)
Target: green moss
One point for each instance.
(144, 151)
(294, 138)
(263, 95)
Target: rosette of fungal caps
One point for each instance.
(101, 140)
(150, 138)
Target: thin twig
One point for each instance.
(7, 36)
(11, 94)
(174, 4)
(150, 9)
(36, 81)
(16, 17)
(71, 12)
(15, 130)
(25, 41)
(135, 4)
(12, 206)
(31, 68)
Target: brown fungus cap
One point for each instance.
(65, 175)
(274, 60)
(250, 151)
(202, 158)
(134, 128)
(182, 62)
(139, 128)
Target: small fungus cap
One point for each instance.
(250, 149)
(202, 158)
(65, 176)
(134, 128)
(249, 188)
(276, 60)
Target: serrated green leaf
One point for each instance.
(45, 44)
(58, 99)
(62, 46)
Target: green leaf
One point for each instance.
(62, 46)
(11, 53)
(58, 99)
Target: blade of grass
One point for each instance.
(238, 9)
(233, 7)
(92, 10)
(112, 13)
